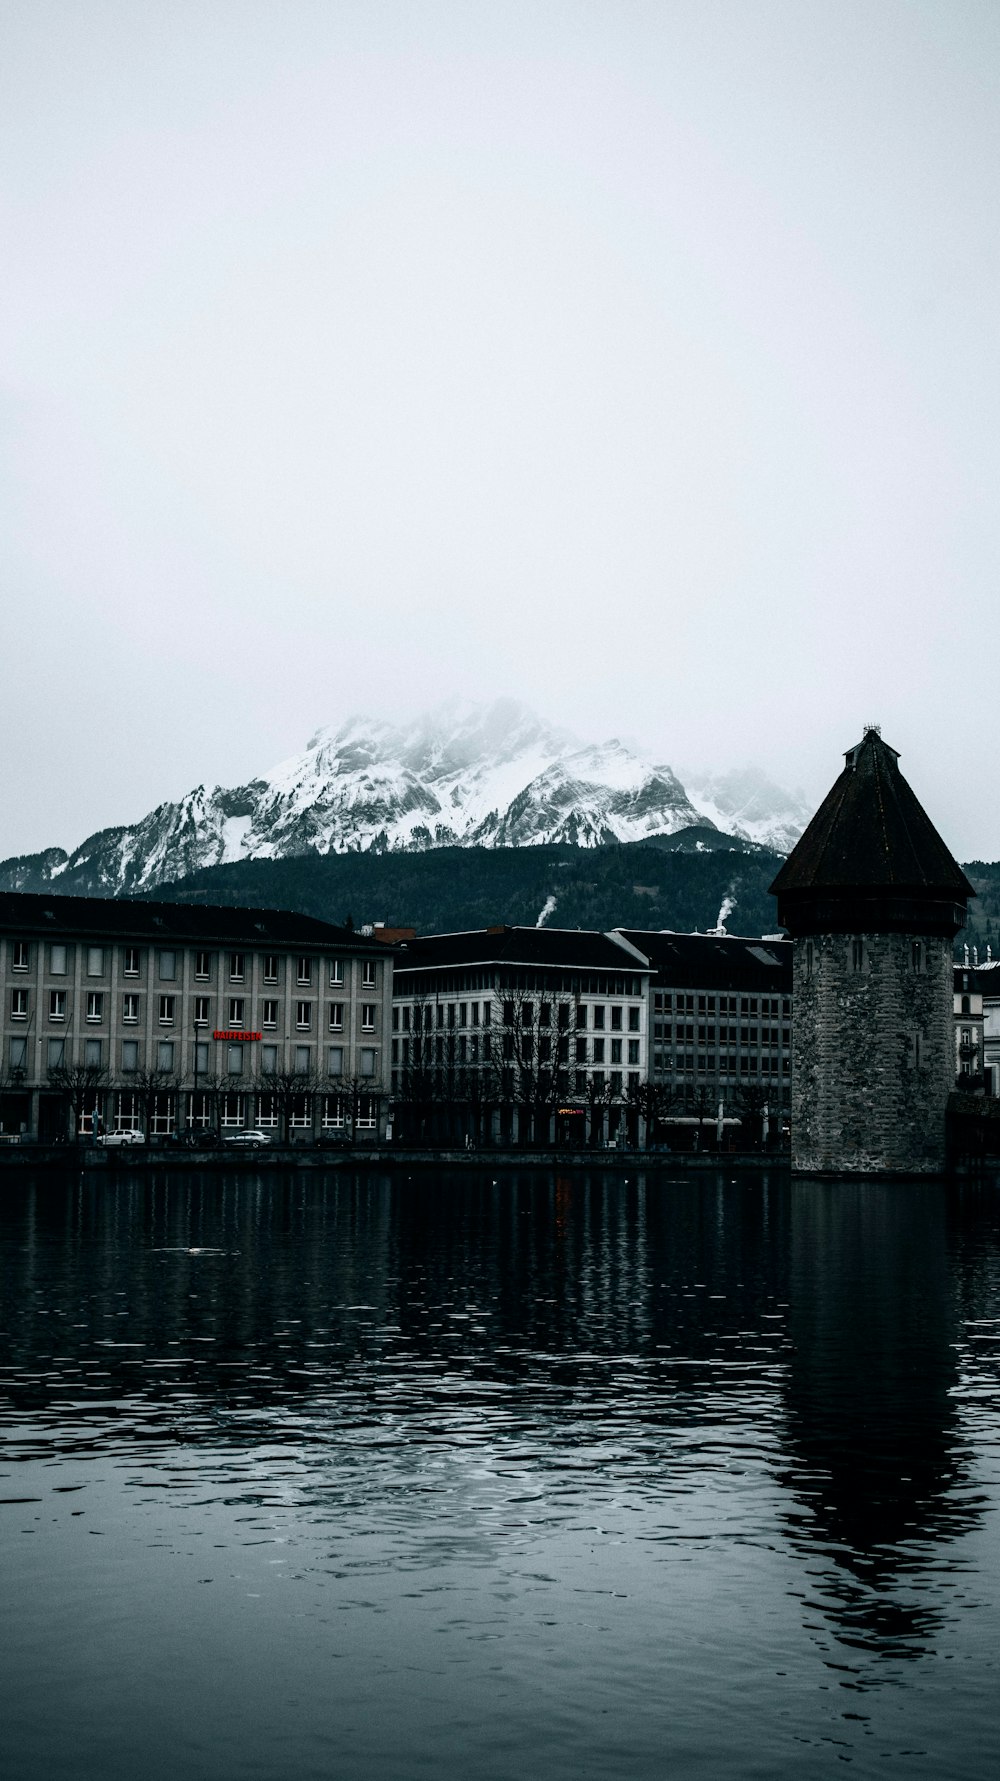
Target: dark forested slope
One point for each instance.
(635, 885)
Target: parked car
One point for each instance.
(122, 1138)
(252, 1139)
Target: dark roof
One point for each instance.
(575, 949)
(871, 833)
(133, 918)
(716, 962)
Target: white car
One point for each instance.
(253, 1139)
(122, 1138)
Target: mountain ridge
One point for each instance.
(471, 776)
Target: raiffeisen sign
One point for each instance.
(224, 1033)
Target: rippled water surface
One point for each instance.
(459, 1476)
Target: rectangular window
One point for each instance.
(616, 1020)
(368, 1017)
(336, 972)
(130, 963)
(367, 1113)
(93, 1054)
(234, 1060)
(474, 1013)
(270, 967)
(487, 1013)
(598, 1051)
(201, 1011)
(201, 1056)
(335, 1060)
(633, 1019)
(236, 963)
(56, 1053)
(462, 1014)
(598, 1017)
(167, 966)
(917, 955)
(270, 1015)
(581, 1051)
(616, 1050)
(130, 1054)
(95, 961)
(95, 1004)
(303, 1060)
(633, 1051)
(303, 971)
(367, 1061)
(17, 1052)
(235, 1011)
(231, 1108)
(857, 955)
(336, 1017)
(167, 1011)
(334, 1111)
(368, 974)
(20, 955)
(203, 966)
(269, 1059)
(165, 1055)
(303, 1016)
(57, 961)
(581, 1016)
(57, 1004)
(130, 1009)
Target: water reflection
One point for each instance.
(479, 1394)
(875, 1458)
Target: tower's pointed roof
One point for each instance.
(871, 834)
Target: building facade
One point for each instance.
(524, 1036)
(171, 1018)
(720, 1027)
(873, 900)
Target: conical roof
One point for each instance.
(871, 834)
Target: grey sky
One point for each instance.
(640, 361)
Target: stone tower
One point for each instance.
(873, 900)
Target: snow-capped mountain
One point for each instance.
(494, 776)
(746, 802)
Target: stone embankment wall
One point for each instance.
(873, 1053)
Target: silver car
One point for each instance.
(254, 1139)
(122, 1138)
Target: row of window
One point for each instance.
(687, 1002)
(707, 1063)
(168, 960)
(234, 1112)
(165, 1053)
(518, 1014)
(722, 1034)
(167, 1008)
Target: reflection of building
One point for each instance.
(165, 1015)
(875, 1456)
(873, 901)
(720, 1010)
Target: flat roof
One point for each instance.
(573, 949)
(716, 961)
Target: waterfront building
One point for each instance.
(873, 900)
(168, 1017)
(720, 1025)
(522, 1036)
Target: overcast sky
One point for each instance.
(637, 360)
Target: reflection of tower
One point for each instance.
(873, 901)
(873, 1442)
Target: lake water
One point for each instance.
(491, 1476)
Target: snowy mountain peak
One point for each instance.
(493, 775)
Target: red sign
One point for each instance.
(221, 1033)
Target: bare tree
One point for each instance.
(80, 1086)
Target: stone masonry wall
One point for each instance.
(866, 1097)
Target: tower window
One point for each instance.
(857, 955)
(810, 958)
(917, 955)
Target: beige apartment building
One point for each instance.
(173, 1019)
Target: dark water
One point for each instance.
(470, 1477)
